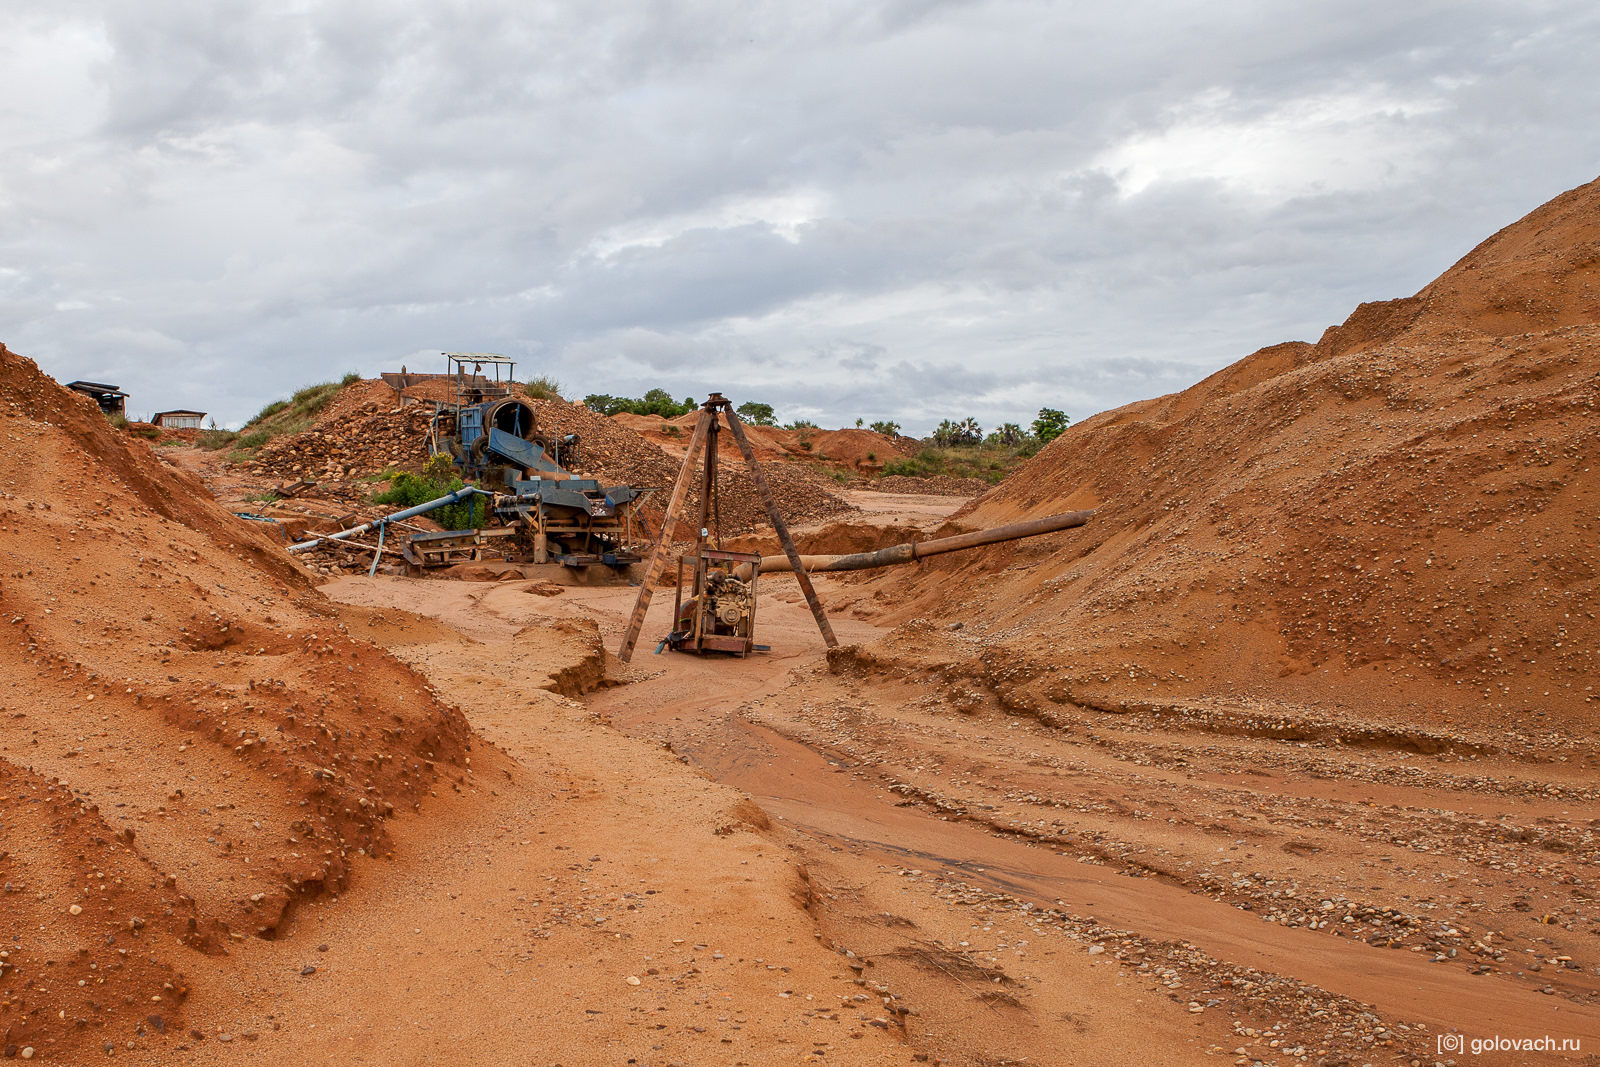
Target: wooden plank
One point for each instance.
(387, 551)
(715, 643)
(782, 528)
(658, 554)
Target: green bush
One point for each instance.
(215, 440)
(924, 464)
(407, 490)
(119, 421)
(150, 433)
(543, 387)
(349, 379)
(801, 424)
(985, 462)
(254, 440)
(310, 401)
(268, 411)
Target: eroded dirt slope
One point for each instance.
(194, 743)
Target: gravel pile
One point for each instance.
(614, 453)
(364, 432)
(343, 444)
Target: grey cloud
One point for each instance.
(905, 209)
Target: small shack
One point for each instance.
(112, 400)
(178, 420)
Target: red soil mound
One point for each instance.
(615, 453)
(864, 450)
(1398, 520)
(642, 423)
(194, 745)
(860, 449)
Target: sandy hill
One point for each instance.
(196, 745)
(1395, 523)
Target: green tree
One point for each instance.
(1050, 424)
(958, 434)
(1009, 435)
(757, 414)
(654, 402)
(885, 427)
(659, 402)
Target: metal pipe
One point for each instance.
(449, 498)
(377, 557)
(915, 550)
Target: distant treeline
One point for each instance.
(655, 402)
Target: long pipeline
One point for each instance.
(915, 550)
(449, 498)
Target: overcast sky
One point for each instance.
(908, 210)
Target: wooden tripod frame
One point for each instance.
(704, 440)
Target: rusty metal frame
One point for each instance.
(704, 440)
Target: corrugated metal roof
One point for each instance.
(96, 387)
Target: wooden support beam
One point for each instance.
(782, 528)
(658, 555)
(363, 546)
